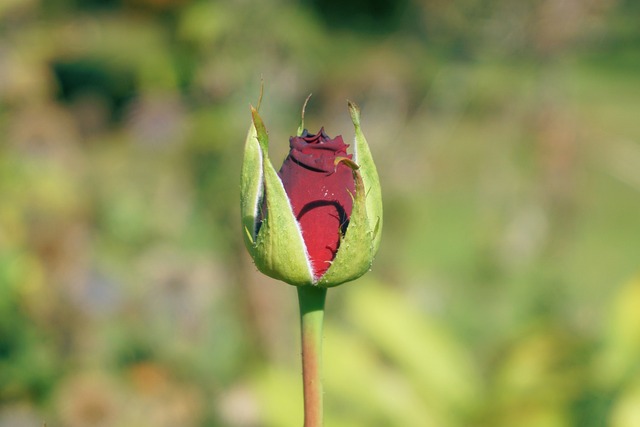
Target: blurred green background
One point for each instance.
(507, 137)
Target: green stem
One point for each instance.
(311, 299)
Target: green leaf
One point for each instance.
(440, 367)
(620, 351)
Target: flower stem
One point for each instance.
(311, 299)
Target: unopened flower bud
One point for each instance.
(318, 221)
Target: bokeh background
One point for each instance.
(507, 137)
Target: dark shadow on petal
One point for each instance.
(342, 214)
(307, 165)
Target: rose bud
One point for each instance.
(317, 221)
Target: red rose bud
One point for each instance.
(320, 193)
(318, 221)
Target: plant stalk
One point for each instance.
(311, 300)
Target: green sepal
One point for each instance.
(304, 107)
(355, 252)
(251, 188)
(362, 156)
(279, 250)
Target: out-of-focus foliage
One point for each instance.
(507, 138)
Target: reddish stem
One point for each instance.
(311, 299)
